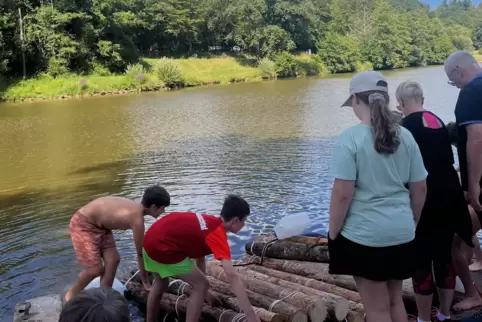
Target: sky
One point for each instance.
(434, 3)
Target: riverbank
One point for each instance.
(147, 76)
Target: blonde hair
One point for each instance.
(384, 126)
(409, 91)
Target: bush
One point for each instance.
(363, 66)
(169, 71)
(137, 73)
(339, 53)
(480, 51)
(310, 65)
(286, 65)
(268, 68)
(98, 69)
(57, 67)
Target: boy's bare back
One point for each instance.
(113, 213)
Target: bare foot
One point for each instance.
(468, 303)
(68, 296)
(476, 266)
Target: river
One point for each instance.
(271, 142)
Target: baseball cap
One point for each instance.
(364, 82)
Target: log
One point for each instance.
(233, 304)
(337, 307)
(179, 287)
(287, 312)
(319, 271)
(317, 285)
(308, 240)
(314, 306)
(290, 250)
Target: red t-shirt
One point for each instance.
(178, 235)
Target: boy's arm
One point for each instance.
(239, 290)
(201, 264)
(138, 232)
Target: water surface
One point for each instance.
(271, 142)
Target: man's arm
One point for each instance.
(138, 232)
(474, 163)
(239, 290)
(341, 197)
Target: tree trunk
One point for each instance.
(319, 271)
(336, 306)
(290, 250)
(233, 304)
(308, 240)
(314, 306)
(317, 285)
(287, 312)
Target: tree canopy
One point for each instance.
(95, 36)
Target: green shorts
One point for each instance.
(184, 267)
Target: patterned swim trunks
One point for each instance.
(89, 240)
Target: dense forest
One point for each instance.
(84, 36)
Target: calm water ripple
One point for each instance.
(270, 142)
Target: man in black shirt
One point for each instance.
(465, 73)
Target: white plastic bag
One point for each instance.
(291, 225)
(117, 285)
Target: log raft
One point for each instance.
(292, 284)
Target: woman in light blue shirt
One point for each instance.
(378, 195)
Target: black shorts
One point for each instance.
(373, 263)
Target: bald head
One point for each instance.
(461, 67)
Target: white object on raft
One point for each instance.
(291, 225)
(459, 287)
(117, 285)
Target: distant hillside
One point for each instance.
(436, 3)
(409, 4)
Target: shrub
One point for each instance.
(268, 68)
(99, 69)
(363, 66)
(137, 73)
(339, 53)
(480, 51)
(286, 65)
(169, 71)
(57, 67)
(310, 65)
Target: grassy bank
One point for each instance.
(160, 74)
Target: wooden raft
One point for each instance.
(291, 285)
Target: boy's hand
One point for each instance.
(147, 285)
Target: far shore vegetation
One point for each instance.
(66, 48)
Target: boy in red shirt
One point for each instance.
(173, 241)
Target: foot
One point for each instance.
(468, 303)
(476, 266)
(68, 296)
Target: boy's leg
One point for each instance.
(200, 285)
(477, 264)
(155, 295)
(111, 258)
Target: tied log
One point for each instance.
(308, 240)
(317, 285)
(171, 303)
(336, 306)
(287, 312)
(179, 287)
(319, 271)
(289, 250)
(315, 307)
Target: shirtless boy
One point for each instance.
(91, 231)
(171, 244)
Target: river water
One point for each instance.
(271, 142)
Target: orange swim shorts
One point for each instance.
(89, 240)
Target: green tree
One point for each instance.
(339, 53)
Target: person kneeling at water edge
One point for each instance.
(91, 231)
(173, 241)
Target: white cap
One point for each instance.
(364, 82)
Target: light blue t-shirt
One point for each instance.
(379, 214)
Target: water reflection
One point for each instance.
(270, 142)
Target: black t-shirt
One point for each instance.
(468, 110)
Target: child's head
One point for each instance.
(96, 305)
(155, 200)
(234, 213)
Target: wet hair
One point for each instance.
(234, 207)
(156, 195)
(384, 127)
(96, 305)
(452, 128)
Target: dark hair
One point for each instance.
(384, 127)
(452, 129)
(156, 195)
(234, 206)
(96, 305)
